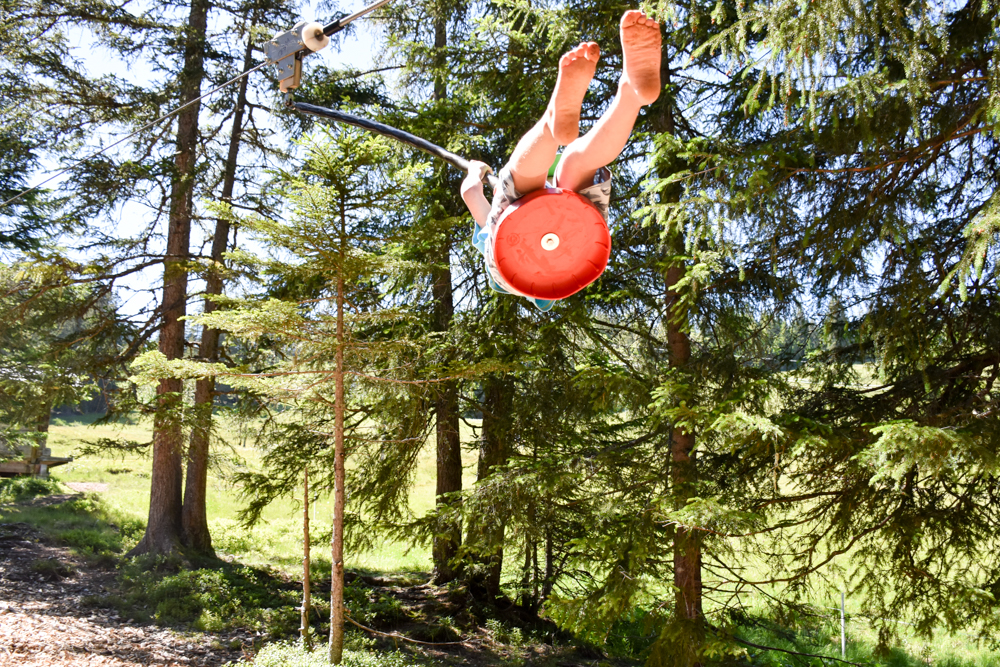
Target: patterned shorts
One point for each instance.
(506, 194)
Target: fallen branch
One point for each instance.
(784, 650)
(396, 635)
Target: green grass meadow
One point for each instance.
(276, 540)
(265, 561)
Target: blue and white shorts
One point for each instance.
(599, 194)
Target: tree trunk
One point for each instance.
(337, 538)
(550, 566)
(498, 403)
(449, 449)
(306, 575)
(683, 477)
(44, 419)
(42, 427)
(527, 599)
(163, 530)
(683, 468)
(194, 515)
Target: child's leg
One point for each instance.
(639, 85)
(560, 125)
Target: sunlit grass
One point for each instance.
(276, 542)
(277, 539)
(821, 635)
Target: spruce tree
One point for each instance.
(870, 179)
(338, 348)
(56, 343)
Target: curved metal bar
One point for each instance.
(456, 161)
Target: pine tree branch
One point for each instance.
(785, 650)
(396, 635)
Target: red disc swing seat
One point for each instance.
(551, 244)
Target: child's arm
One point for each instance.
(472, 192)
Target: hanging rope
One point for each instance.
(399, 135)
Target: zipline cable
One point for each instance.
(129, 136)
(334, 27)
(328, 30)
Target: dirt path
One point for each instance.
(44, 621)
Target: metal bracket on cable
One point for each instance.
(287, 49)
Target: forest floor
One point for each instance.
(69, 597)
(61, 608)
(45, 620)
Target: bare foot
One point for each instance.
(641, 48)
(576, 69)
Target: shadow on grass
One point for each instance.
(206, 594)
(819, 635)
(80, 522)
(220, 596)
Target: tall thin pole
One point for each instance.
(843, 628)
(337, 539)
(306, 593)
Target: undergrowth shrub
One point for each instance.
(209, 599)
(634, 632)
(293, 654)
(504, 634)
(14, 489)
(52, 569)
(91, 528)
(83, 523)
(262, 541)
(372, 607)
(229, 536)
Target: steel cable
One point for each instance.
(132, 134)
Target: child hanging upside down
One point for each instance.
(583, 164)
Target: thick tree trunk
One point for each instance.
(337, 538)
(44, 419)
(449, 449)
(163, 530)
(494, 452)
(687, 543)
(683, 468)
(194, 515)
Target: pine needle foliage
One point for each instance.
(56, 343)
(843, 167)
(341, 203)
